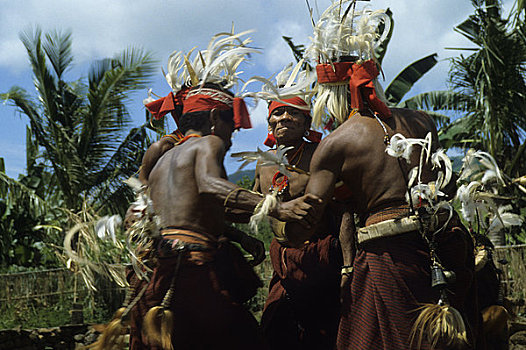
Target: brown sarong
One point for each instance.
(302, 308)
(206, 316)
(391, 279)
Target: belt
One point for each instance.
(199, 248)
(388, 228)
(394, 227)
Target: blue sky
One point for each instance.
(103, 28)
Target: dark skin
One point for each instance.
(252, 245)
(355, 153)
(152, 155)
(288, 125)
(189, 189)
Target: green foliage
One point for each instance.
(79, 145)
(488, 88)
(79, 127)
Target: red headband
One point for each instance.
(159, 108)
(312, 136)
(290, 102)
(360, 77)
(198, 100)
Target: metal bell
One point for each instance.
(438, 279)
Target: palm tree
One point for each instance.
(79, 126)
(488, 87)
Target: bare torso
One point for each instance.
(174, 186)
(355, 153)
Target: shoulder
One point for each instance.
(210, 143)
(416, 116)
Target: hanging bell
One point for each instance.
(438, 279)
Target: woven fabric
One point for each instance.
(302, 308)
(206, 313)
(391, 279)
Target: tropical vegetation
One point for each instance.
(80, 143)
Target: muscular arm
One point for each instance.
(209, 181)
(325, 169)
(208, 167)
(152, 155)
(252, 245)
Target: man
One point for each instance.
(203, 292)
(390, 275)
(302, 307)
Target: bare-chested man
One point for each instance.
(189, 191)
(391, 272)
(302, 308)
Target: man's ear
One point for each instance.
(214, 117)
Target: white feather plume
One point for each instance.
(291, 82)
(355, 35)
(266, 158)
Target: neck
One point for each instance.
(292, 153)
(195, 132)
(296, 144)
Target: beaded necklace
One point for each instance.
(280, 185)
(184, 139)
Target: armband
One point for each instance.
(347, 270)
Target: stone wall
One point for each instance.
(57, 338)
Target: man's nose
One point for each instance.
(285, 116)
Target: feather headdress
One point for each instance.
(217, 64)
(292, 81)
(338, 36)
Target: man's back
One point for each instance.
(175, 186)
(375, 178)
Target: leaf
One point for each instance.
(405, 80)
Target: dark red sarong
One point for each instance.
(302, 308)
(206, 312)
(391, 279)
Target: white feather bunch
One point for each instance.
(400, 146)
(107, 226)
(269, 203)
(479, 163)
(217, 64)
(334, 36)
(354, 35)
(503, 219)
(266, 158)
(330, 100)
(291, 82)
(440, 160)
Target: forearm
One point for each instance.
(232, 196)
(234, 234)
(237, 215)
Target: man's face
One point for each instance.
(288, 124)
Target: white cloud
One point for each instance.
(104, 28)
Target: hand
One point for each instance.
(345, 290)
(304, 209)
(254, 247)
